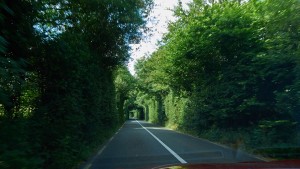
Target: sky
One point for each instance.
(162, 14)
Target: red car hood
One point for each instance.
(287, 164)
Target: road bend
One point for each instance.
(142, 145)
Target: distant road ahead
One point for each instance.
(139, 145)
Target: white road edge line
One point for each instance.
(89, 165)
(163, 144)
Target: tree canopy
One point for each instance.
(228, 65)
(58, 98)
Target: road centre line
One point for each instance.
(163, 144)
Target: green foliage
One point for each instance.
(175, 109)
(279, 152)
(274, 132)
(125, 86)
(229, 65)
(59, 96)
(153, 89)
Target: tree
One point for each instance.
(231, 64)
(57, 95)
(125, 84)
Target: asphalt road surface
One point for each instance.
(142, 145)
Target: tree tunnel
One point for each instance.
(135, 111)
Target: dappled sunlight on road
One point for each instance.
(154, 128)
(144, 122)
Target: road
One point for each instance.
(139, 144)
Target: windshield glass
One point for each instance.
(144, 83)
